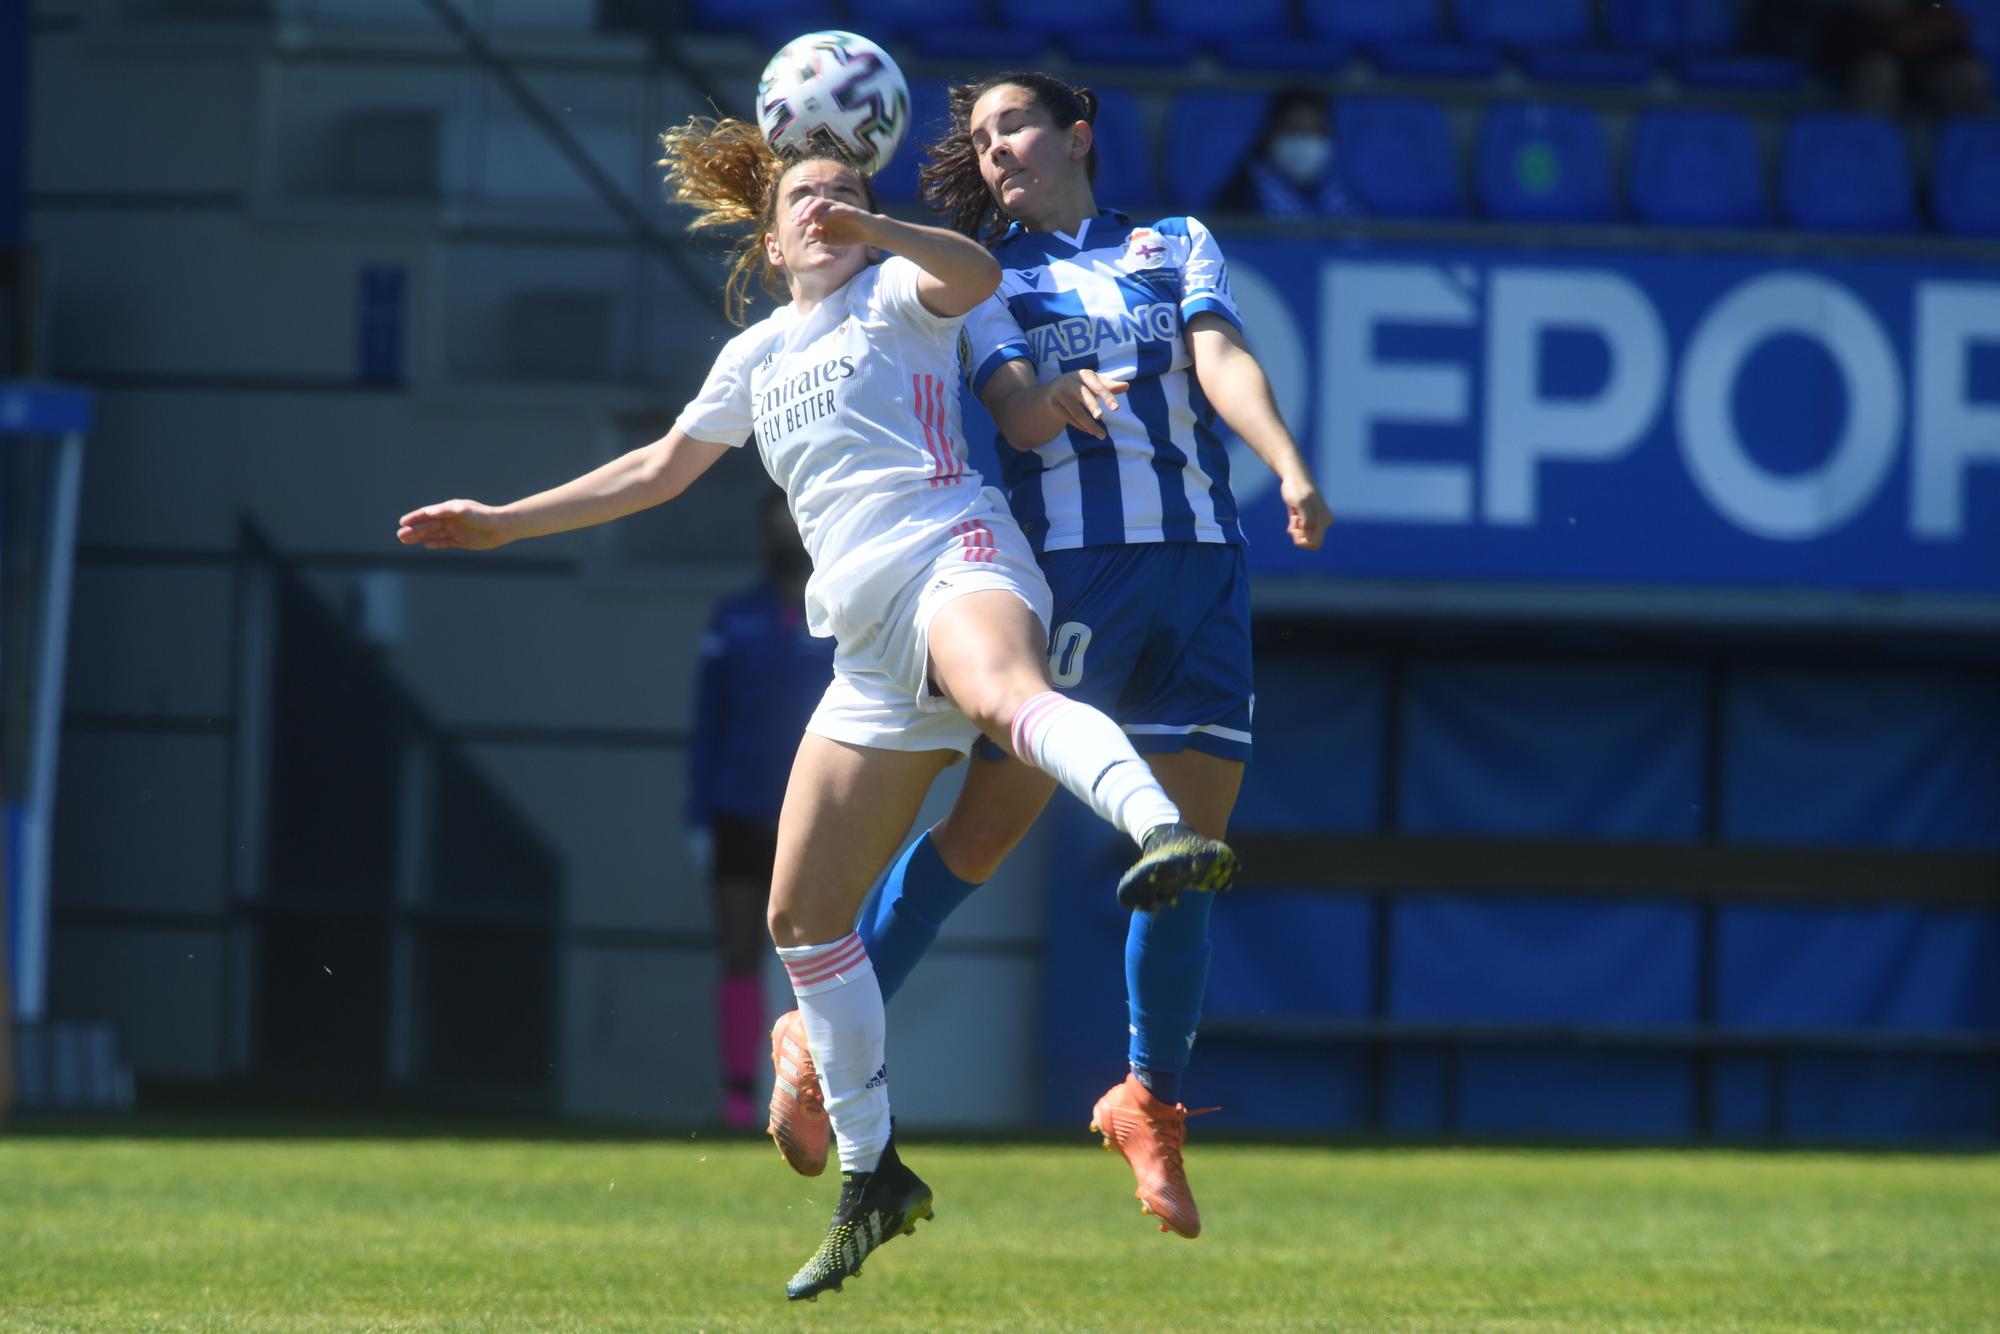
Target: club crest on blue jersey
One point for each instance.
(1144, 249)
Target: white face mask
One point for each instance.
(1302, 158)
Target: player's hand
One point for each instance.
(465, 524)
(834, 222)
(1083, 397)
(1306, 513)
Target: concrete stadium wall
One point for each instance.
(208, 184)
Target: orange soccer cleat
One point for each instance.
(798, 1107)
(1150, 1134)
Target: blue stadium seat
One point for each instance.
(1985, 16)
(1064, 18)
(1436, 60)
(1004, 48)
(897, 18)
(1168, 50)
(1211, 134)
(1589, 65)
(1846, 173)
(1399, 157)
(1208, 21)
(1283, 54)
(1371, 22)
(1541, 163)
(1672, 26)
(793, 17)
(1399, 36)
(930, 117)
(1697, 169)
(1965, 181)
(1518, 25)
(1124, 153)
(1761, 74)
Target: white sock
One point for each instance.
(841, 1004)
(1087, 753)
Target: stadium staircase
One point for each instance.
(322, 260)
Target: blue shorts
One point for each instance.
(1156, 634)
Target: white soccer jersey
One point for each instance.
(1113, 298)
(855, 411)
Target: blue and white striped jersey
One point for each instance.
(1113, 298)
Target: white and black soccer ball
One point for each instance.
(838, 84)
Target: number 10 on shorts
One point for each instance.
(1067, 646)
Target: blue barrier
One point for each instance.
(1610, 418)
(42, 498)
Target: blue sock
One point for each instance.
(902, 916)
(1162, 1084)
(1166, 973)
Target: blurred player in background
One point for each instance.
(923, 580)
(1105, 359)
(762, 673)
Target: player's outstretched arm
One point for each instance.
(1030, 414)
(956, 274)
(640, 479)
(1235, 383)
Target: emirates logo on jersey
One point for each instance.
(1144, 249)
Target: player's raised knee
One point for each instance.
(991, 699)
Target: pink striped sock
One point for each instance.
(1086, 752)
(841, 1004)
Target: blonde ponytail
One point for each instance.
(726, 171)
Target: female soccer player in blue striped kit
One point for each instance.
(1106, 357)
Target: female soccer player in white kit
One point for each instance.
(920, 574)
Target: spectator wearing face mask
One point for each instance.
(1293, 173)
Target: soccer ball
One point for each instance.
(838, 84)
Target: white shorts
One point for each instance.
(881, 695)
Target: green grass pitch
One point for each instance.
(106, 1233)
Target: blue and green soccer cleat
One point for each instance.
(874, 1207)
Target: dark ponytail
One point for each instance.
(950, 182)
